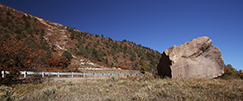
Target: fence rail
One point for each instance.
(25, 73)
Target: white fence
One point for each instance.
(25, 73)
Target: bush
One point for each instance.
(133, 58)
(6, 36)
(42, 34)
(144, 67)
(231, 73)
(20, 36)
(115, 58)
(27, 24)
(67, 54)
(58, 62)
(72, 35)
(18, 30)
(8, 13)
(29, 31)
(16, 55)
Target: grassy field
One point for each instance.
(125, 89)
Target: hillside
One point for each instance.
(87, 50)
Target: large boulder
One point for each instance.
(195, 59)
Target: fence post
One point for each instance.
(2, 74)
(72, 74)
(57, 74)
(25, 74)
(94, 75)
(42, 74)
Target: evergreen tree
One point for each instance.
(67, 54)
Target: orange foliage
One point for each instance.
(53, 69)
(241, 74)
(58, 62)
(15, 55)
(231, 73)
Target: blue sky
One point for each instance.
(158, 24)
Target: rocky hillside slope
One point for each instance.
(87, 50)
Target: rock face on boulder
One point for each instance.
(195, 59)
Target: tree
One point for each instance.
(27, 24)
(67, 54)
(133, 56)
(144, 67)
(8, 13)
(42, 34)
(115, 58)
(241, 74)
(231, 73)
(102, 36)
(152, 65)
(62, 62)
(106, 61)
(72, 35)
(15, 55)
(125, 49)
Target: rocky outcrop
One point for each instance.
(197, 58)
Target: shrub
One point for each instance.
(18, 30)
(72, 35)
(58, 62)
(231, 73)
(8, 13)
(27, 24)
(144, 67)
(16, 55)
(6, 36)
(113, 78)
(29, 31)
(20, 36)
(115, 58)
(133, 58)
(67, 54)
(42, 34)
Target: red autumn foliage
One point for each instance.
(58, 62)
(15, 55)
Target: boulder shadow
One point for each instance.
(163, 67)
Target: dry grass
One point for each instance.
(130, 88)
